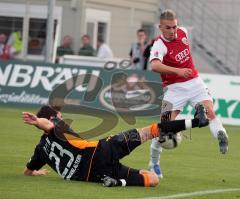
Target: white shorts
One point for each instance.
(177, 95)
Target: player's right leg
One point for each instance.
(124, 143)
(155, 152)
(173, 102)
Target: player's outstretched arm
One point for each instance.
(41, 123)
(40, 172)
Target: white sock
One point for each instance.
(124, 183)
(155, 151)
(215, 125)
(188, 124)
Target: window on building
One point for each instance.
(37, 36)
(102, 30)
(90, 31)
(32, 19)
(97, 25)
(10, 24)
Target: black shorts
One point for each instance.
(110, 151)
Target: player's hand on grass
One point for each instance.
(41, 172)
(184, 72)
(29, 118)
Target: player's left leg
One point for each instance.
(216, 127)
(127, 176)
(199, 93)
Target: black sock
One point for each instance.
(135, 180)
(195, 123)
(177, 125)
(172, 126)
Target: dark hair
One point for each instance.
(87, 36)
(100, 39)
(141, 30)
(46, 112)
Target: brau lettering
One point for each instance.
(19, 75)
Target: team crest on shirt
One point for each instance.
(156, 54)
(185, 40)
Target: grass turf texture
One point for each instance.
(195, 165)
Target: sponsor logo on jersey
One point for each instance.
(182, 55)
(185, 40)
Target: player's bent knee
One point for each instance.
(210, 114)
(154, 180)
(150, 178)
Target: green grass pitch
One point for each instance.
(196, 165)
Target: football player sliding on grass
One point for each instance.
(74, 158)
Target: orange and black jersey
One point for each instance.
(70, 156)
(77, 159)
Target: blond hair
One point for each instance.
(168, 15)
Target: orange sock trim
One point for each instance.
(155, 132)
(146, 179)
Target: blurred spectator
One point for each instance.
(5, 50)
(104, 51)
(15, 41)
(137, 49)
(86, 49)
(34, 46)
(146, 54)
(65, 48)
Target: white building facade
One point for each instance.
(115, 21)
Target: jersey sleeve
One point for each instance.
(158, 51)
(36, 162)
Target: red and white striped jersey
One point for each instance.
(174, 53)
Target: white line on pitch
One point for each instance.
(197, 193)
